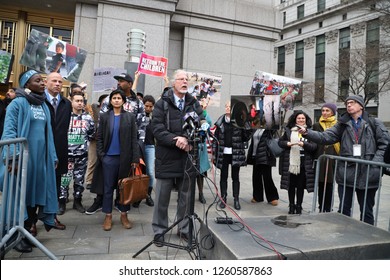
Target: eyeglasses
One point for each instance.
(182, 79)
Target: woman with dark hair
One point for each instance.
(296, 162)
(28, 116)
(117, 150)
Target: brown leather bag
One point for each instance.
(133, 188)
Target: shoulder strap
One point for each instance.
(166, 113)
(371, 121)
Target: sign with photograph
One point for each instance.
(270, 97)
(6, 61)
(153, 65)
(48, 54)
(205, 86)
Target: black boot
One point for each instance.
(149, 200)
(78, 205)
(298, 209)
(291, 209)
(61, 206)
(201, 198)
(237, 205)
(222, 203)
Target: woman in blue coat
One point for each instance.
(28, 116)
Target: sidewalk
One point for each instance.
(84, 238)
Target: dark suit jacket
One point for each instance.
(129, 150)
(60, 124)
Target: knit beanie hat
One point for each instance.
(358, 98)
(331, 106)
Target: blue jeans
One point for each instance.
(149, 161)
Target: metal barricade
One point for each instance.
(13, 196)
(360, 167)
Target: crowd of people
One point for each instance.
(106, 140)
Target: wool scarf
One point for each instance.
(328, 123)
(295, 153)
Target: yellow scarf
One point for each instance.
(328, 123)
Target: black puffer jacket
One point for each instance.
(239, 136)
(167, 123)
(263, 154)
(284, 162)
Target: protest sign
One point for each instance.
(48, 54)
(153, 65)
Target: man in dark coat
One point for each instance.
(173, 165)
(60, 109)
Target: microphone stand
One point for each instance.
(193, 243)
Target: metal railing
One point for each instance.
(13, 180)
(360, 167)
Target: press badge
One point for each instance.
(357, 150)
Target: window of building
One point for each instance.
(284, 18)
(301, 11)
(300, 31)
(281, 36)
(320, 24)
(344, 16)
(282, 1)
(299, 59)
(321, 5)
(281, 60)
(320, 69)
(7, 37)
(344, 63)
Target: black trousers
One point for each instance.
(262, 181)
(227, 160)
(298, 183)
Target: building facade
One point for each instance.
(229, 38)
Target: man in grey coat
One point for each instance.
(362, 137)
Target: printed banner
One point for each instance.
(153, 65)
(48, 54)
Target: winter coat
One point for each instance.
(263, 154)
(60, 123)
(327, 166)
(239, 137)
(41, 180)
(284, 162)
(373, 146)
(129, 150)
(167, 123)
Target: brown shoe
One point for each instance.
(274, 202)
(107, 222)
(125, 221)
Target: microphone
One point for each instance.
(190, 119)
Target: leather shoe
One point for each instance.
(58, 225)
(158, 240)
(23, 246)
(184, 236)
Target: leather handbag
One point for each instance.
(134, 188)
(274, 147)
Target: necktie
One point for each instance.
(54, 103)
(180, 104)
